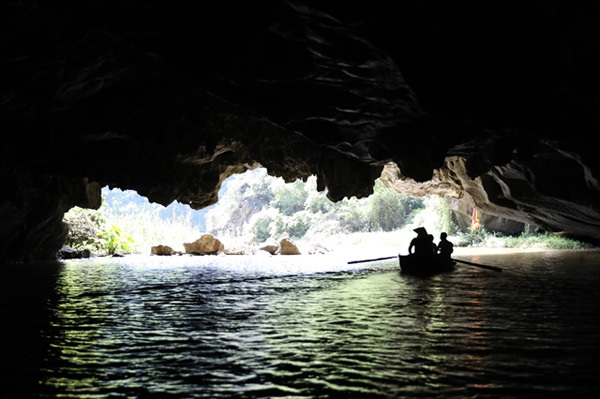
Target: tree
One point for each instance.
(387, 209)
(245, 195)
(290, 198)
(261, 222)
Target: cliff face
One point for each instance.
(494, 103)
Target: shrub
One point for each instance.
(84, 226)
(115, 241)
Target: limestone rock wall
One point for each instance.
(491, 102)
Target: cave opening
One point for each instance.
(256, 211)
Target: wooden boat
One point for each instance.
(425, 265)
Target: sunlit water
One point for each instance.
(308, 326)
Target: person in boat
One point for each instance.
(434, 248)
(421, 244)
(445, 247)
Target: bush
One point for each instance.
(88, 230)
(483, 238)
(85, 226)
(115, 241)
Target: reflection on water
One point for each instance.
(301, 327)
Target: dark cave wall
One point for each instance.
(32, 209)
(492, 102)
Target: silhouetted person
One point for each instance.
(421, 243)
(445, 247)
(434, 247)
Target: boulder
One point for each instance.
(67, 252)
(270, 248)
(207, 244)
(161, 250)
(287, 247)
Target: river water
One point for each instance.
(301, 327)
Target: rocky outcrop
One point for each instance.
(287, 247)
(67, 252)
(205, 245)
(162, 250)
(270, 248)
(144, 97)
(32, 207)
(462, 216)
(516, 191)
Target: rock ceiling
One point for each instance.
(496, 103)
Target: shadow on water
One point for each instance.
(28, 295)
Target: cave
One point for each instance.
(492, 103)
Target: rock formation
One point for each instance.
(67, 252)
(287, 247)
(493, 102)
(205, 245)
(270, 248)
(163, 250)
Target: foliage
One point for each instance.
(88, 229)
(84, 226)
(267, 208)
(151, 224)
(257, 207)
(435, 216)
(116, 241)
(526, 240)
(290, 198)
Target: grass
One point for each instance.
(524, 241)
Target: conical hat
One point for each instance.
(420, 230)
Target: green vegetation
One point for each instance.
(128, 223)
(255, 207)
(115, 241)
(526, 240)
(85, 227)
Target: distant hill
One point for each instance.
(117, 203)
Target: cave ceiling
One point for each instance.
(495, 103)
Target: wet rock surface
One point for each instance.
(493, 105)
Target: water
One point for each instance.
(301, 327)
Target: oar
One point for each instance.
(370, 260)
(496, 269)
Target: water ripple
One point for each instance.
(223, 327)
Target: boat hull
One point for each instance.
(411, 264)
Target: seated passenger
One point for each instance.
(445, 247)
(421, 244)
